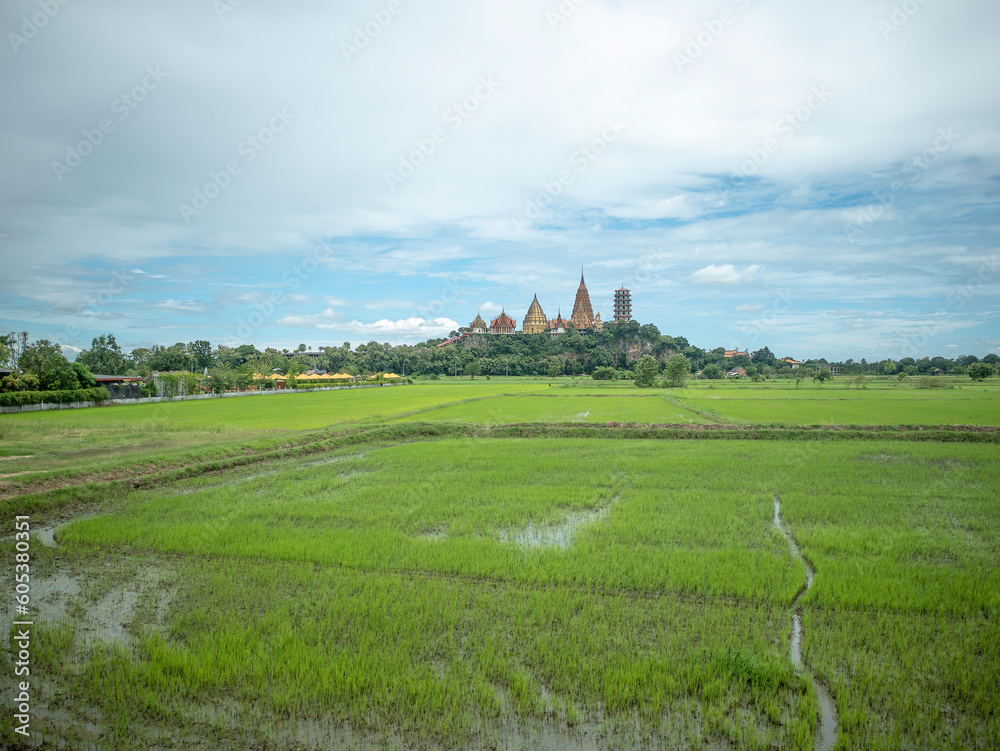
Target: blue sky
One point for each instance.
(822, 180)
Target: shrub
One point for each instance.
(67, 396)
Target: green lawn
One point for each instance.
(830, 405)
(564, 406)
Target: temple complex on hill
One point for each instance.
(535, 322)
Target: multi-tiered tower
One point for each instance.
(535, 321)
(583, 313)
(623, 305)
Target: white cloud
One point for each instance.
(748, 308)
(724, 274)
(407, 327)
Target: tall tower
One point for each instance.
(535, 321)
(583, 314)
(623, 305)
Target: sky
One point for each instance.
(817, 178)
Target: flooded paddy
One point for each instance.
(543, 593)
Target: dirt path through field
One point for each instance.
(826, 732)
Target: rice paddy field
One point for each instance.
(516, 564)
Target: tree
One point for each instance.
(646, 372)
(46, 362)
(979, 371)
(763, 356)
(711, 371)
(678, 367)
(16, 343)
(104, 356)
(472, 369)
(822, 375)
(604, 373)
(83, 375)
(890, 367)
(200, 353)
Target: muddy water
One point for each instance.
(826, 731)
(554, 535)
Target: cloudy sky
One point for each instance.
(820, 178)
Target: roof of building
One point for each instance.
(734, 352)
(478, 322)
(112, 378)
(535, 315)
(503, 321)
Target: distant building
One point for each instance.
(478, 325)
(558, 325)
(120, 387)
(583, 313)
(790, 361)
(535, 321)
(623, 305)
(503, 324)
(598, 323)
(734, 352)
(738, 372)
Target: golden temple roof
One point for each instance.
(535, 321)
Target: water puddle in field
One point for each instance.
(554, 535)
(826, 732)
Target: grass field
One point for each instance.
(490, 592)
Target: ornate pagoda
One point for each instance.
(478, 326)
(583, 313)
(503, 324)
(598, 323)
(558, 325)
(535, 321)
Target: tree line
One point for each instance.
(617, 351)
